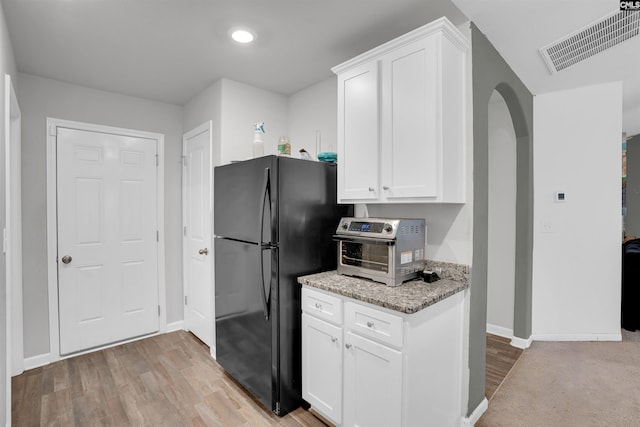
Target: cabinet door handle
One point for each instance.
(319, 306)
(347, 345)
(385, 187)
(334, 339)
(369, 324)
(372, 189)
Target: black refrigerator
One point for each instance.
(274, 218)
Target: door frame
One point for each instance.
(207, 126)
(52, 228)
(12, 242)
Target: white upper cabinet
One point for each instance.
(358, 121)
(401, 119)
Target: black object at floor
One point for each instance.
(631, 285)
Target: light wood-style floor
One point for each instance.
(166, 380)
(501, 357)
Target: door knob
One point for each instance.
(204, 251)
(66, 259)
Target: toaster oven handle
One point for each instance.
(360, 239)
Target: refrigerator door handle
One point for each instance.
(266, 191)
(266, 299)
(264, 195)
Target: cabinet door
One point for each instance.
(411, 121)
(322, 367)
(358, 135)
(372, 383)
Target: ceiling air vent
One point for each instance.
(601, 35)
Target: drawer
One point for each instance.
(322, 306)
(383, 327)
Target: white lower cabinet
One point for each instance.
(322, 367)
(372, 383)
(378, 367)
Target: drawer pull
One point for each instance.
(319, 306)
(347, 345)
(334, 339)
(369, 324)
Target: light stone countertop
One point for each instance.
(410, 297)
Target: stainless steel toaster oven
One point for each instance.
(385, 250)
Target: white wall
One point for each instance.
(204, 107)
(234, 107)
(502, 219)
(314, 110)
(7, 65)
(631, 120)
(242, 106)
(41, 98)
(577, 252)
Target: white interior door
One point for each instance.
(107, 238)
(198, 248)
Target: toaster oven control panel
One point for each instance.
(371, 227)
(367, 227)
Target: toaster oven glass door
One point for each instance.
(370, 256)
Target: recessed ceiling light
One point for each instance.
(242, 35)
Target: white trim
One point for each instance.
(476, 414)
(52, 239)
(12, 241)
(578, 337)
(499, 331)
(441, 25)
(14, 228)
(175, 326)
(521, 343)
(37, 361)
(517, 342)
(204, 127)
(46, 358)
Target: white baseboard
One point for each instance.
(37, 361)
(44, 359)
(175, 326)
(508, 333)
(522, 343)
(499, 331)
(578, 337)
(476, 414)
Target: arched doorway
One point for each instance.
(491, 72)
(523, 218)
(502, 180)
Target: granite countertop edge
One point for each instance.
(408, 298)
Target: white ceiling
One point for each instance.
(169, 50)
(519, 28)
